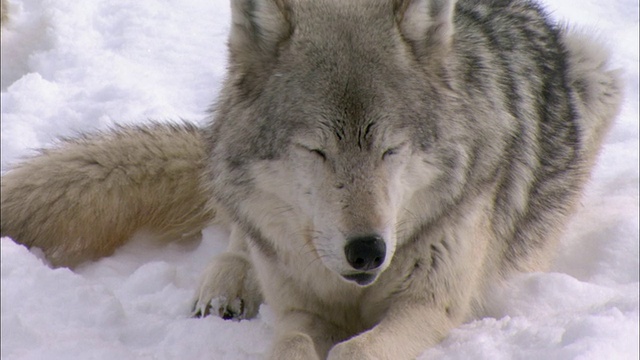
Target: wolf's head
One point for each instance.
(328, 135)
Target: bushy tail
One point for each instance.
(87, 196)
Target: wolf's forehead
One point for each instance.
(356, 115)
(306, 11)
(336, 23)
(343, 96)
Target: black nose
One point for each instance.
(365, 252)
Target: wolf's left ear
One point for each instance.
(426, 24)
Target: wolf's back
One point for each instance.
(87, 196)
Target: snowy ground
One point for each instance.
(72, 66)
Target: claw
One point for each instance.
(227, 310)
(232, 310)
(200, 311)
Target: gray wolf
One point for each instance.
(381, 165)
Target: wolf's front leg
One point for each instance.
(404, 333)
(229, 287)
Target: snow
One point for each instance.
(73, 66)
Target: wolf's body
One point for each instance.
(380, 163)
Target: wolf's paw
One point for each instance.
(228, 289)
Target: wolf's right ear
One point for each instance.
(258, 27)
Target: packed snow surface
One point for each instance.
(72, 66)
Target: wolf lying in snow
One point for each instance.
(381, 163)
